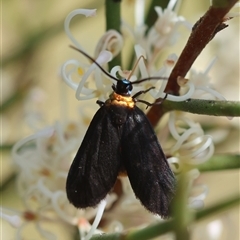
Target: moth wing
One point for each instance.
(149, 173)
(96, 165)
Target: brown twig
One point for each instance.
(202, 33)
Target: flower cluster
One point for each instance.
(44, 158)
(43, 161)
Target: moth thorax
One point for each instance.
(118, 99)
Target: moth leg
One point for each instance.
(142, 92)
(160, 101)
(100, 103)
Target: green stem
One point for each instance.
(205, 107)
(180, 211)
(221, 162)
(6, 147)
(142, 234)
(168, 226)
(151, 15)
(15, 98)
(113, 21)
(217, 208)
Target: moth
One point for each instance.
(121, 139)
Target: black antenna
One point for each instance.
(149, 78)
(112, 77)
(86, 55)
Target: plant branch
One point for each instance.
(204, 107)
(202, 33)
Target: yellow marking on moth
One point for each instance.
(117, 99)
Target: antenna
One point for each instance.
(87, 56)
(109, 75)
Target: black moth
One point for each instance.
(121, 139)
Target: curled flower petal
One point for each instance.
(115, 70)
(175, 164)
(202, 189)
(67, 75)
(43, 188)
(59, 203)
(103, 58)
(184, 97)
(111, 41)
(212, 92)
(163, 73)
(42, 133)
(46, 234)
(191, 146)
(86, 12)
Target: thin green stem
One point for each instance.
(15, 98)
(161, 228)
(142, 234)
(10, 180)
(217, 208)
(205, 107)
(6, 147)
(151, 16)
(222, 3)
(180, 211)
(113, 21)
(221, 162)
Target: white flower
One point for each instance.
(20, 220)
(203, 88)
(83, 90)
(164, 33)
(192, 146)
(43, 160)
(110, 41)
